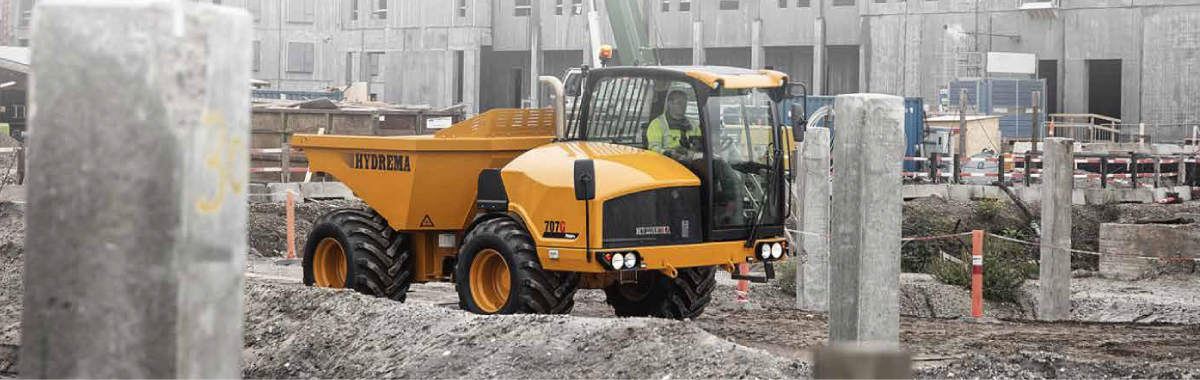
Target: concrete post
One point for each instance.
(1035, 128)
(1183, 172)
(865, 248)
(697, 41)
(285, 162)
(812, 278)
(137, 235)
(1157, 172)
(1058, 181)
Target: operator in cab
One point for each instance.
(676, 136)
(672, 133)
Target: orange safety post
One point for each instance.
(743, 289)
(291, 226)
(977, 273)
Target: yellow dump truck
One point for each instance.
(644, 194)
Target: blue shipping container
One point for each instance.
(1011, 99)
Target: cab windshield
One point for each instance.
(664, 116)
(744, 141)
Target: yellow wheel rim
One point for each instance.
(489, 280)
(329, 264)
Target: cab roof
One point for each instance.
(711, 76)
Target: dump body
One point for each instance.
(428, 182)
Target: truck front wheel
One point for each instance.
(657, 295)
(497, 272)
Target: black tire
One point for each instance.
(657, 295)
(533, 290)
(378, 259)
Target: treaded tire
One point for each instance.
(378, 259)
(682, 297)
(533, 291)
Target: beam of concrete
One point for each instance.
(865, 248)
(1058, 180)
(137, 234)
(812, 277)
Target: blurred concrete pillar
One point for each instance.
(697, 42)
(865, 248)
(861, 362)
(137, 234)
(1058, 182)
(812, 276)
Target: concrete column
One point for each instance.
(865, 248)
(1058, 180)
(812, 278)
(137, 235)
(535, 54)
(756, 45)
(697, 42)
(818, 77)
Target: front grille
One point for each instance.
(664, 216)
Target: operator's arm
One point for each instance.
(654, 136)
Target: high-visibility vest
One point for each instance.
(660, 137)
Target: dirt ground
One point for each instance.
(941, 347)
(299, 332)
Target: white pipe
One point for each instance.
(560, 119)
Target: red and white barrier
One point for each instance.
(278, 170)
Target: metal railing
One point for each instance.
(1083, 127)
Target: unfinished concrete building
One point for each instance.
(1129, 59)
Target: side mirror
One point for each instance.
(585, 180)
(799, 118)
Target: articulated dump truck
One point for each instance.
(662, 176)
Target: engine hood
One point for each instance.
(619, 169)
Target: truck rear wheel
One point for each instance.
(352, 248)
(657, 295)
(498, 272)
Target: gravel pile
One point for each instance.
(1166, 299)
(923, 296)
(1045, 365)
(268, 224)
(12, 263)
(297, 332)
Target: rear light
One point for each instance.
(620, 260)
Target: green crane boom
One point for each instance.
(631, 32)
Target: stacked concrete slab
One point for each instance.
(1127, 250)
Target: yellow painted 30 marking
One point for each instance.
(221, 159)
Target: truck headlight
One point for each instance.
(776, 250)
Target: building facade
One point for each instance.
(1132, 59)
